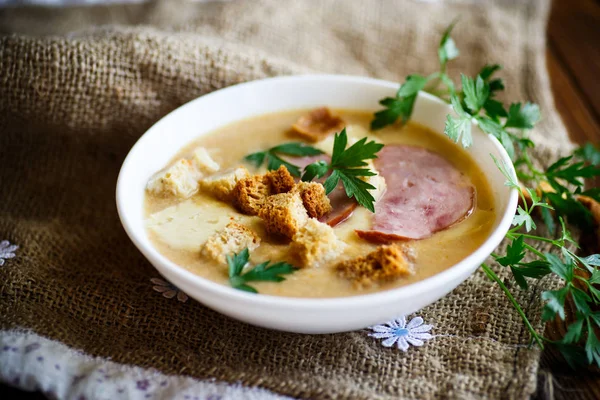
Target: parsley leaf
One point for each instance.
(359, 189)
(494, 85)
(555, 303)
(589, 153)
(346, 166)
(355, 155)
(534, 269)
(564, 270)
(413, 84)
(522, 117)
(574, 211)
(318, 169)
(297, 149)
(488, 70)
(573, 332)
(494, 128)
(514, 252)
(476, 92)
(523, 218)
(401, 106)
(494, 109)
(581, 300)
(548, 219)
(594, 260)
(271, 156)
(511, 180)
(572, 173)
(261, 272)
(459, 128)
(592, 346)
(447, 49)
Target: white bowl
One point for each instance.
(201, 116)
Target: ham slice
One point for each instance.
(425, 194)
(342, 206)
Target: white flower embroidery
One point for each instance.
(398, 332)
(7, 251)
(168, 290)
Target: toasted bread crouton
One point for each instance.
(283, 214)
(249, 194)
(231, 239)
(384, 264)
(204, 161)
(317, 124)
(221, 185)
(280, 180)
(316, 244)
(315, 200)
(179, 179)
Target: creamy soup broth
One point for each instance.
(178, 228)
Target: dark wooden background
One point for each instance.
(573, 58)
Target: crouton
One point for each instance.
(317, 124)
(280, 180)
(179, 179)
(315, 200)
(384, 264)
(204, 161)
(283, 214)
(316, 244)
(231, 239)
(249, 194)
(221, 185)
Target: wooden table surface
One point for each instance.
(573, 58)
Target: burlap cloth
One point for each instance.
(72, 106)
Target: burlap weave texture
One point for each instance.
(72, 106)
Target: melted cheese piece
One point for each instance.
(187, 225)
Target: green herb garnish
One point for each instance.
(274, 161)
(346, 165)
(262, 272)
(401, 106)
(475, 103)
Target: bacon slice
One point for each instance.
(317, 124)
(342, 206)
(425, 194)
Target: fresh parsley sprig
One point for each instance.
(347, 165)
(262, 272)
(401, 106)
(274, 161)
(475, 102)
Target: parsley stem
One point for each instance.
(527, 246)
(492, 275)
(533, 170)
(533, 250)
(525, 235)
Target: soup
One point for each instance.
(179, 227)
